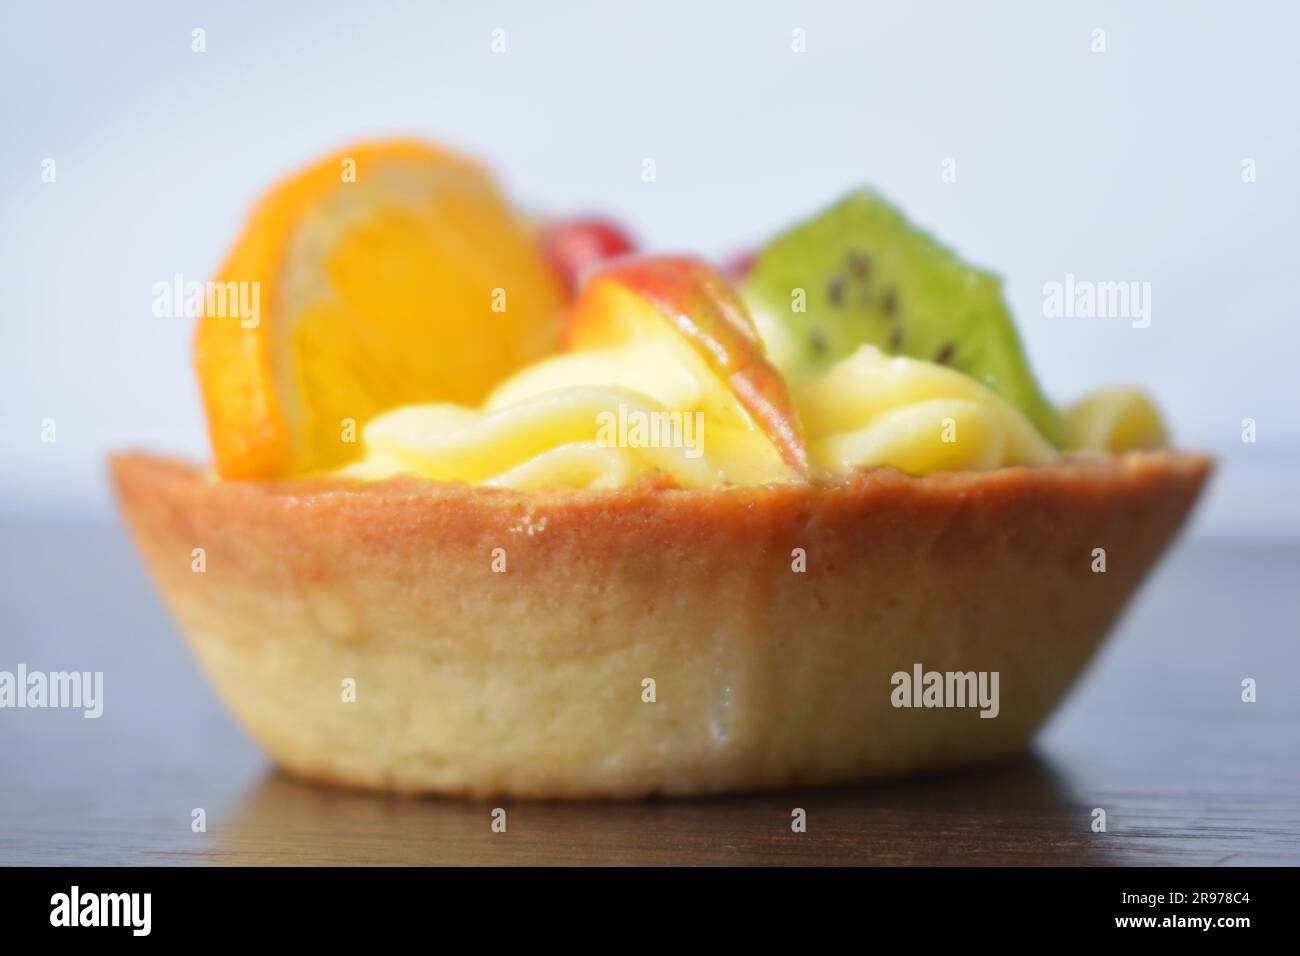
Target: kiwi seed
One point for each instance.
(889, 304)
(859, 264)
(835, 290)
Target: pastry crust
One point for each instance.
(529, 681)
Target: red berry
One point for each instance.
(573, 246)
(739, 267)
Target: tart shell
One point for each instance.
(531, 681)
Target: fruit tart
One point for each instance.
(505, 507)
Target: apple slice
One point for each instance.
(642, 296)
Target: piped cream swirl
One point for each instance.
(605, 418)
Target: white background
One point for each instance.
(1113, 166)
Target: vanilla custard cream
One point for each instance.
(603, 418)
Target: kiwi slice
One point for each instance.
(867, 275)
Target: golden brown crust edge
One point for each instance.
(529, 680)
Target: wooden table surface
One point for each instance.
(1156, 734)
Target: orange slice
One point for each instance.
(387, 274)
